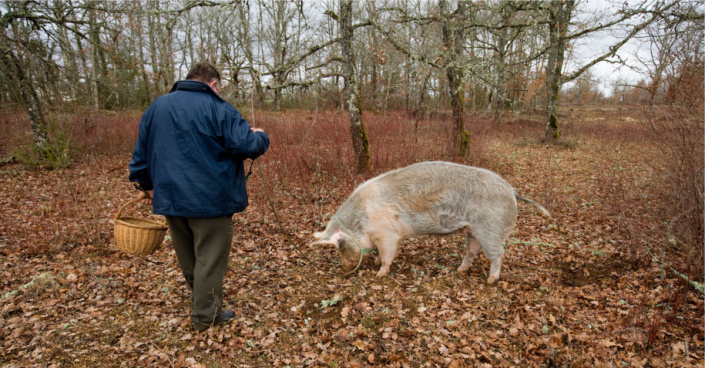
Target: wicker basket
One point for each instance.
(137, 236)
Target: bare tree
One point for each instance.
(488, 55)
(36, 117)
(244, 31)
(360, 142)
(68, 53)
(450, 59)
(454, 46)
(560, 13)
(672, 41)
(234, 59)
(279, 37)
(19, 24)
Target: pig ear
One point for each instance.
(320, 240)
(333, 240)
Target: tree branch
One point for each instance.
(613, 49)
(402, 49)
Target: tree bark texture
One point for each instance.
(69, 59)
(559, 17)
(360, 142)
(453, 42)
(29, 95)
(95, 44)
(501, 66)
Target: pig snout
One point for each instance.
(348, 265)
(349, 256)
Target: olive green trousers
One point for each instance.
(203, 247)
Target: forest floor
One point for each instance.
(575, 290)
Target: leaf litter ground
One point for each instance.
(572, 291)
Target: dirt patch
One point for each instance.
(588, 273)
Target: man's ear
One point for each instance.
(215, 85)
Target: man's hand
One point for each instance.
(254, 130)
(146, 196)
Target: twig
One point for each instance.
(276, 215)
(632, 329)
(165, 354)
(264, 182)
(316, 97)
(696, 285)
(547, 192)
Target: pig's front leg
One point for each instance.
(474, 248)
(387, 245)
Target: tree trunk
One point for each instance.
(280, 80)
(147, 97)
(374, 84)
(453, 42)
(501, 68)
(69, 59)
(152, 25)
(95, 42)
(374, 81)
(29, 95)
(361, 147)
(235, 70)
(423, 91)
(408, 70)
(557, 29)
(278, 99)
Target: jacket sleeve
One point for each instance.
(139, 168)
(241, 142)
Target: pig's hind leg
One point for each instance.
(474, 248)
(492, 246)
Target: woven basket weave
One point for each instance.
(135, 235)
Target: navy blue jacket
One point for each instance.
(190, 151)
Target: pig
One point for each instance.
(426, 198)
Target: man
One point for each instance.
(189, 161)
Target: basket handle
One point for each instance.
(119, 212)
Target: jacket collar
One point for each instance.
(194, 86)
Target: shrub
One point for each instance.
(681, 168)
(54, 154)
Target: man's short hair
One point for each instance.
(203, 72)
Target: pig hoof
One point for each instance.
(492, 279)
(463, 268)
(381, 273)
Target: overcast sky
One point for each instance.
(598, 43)
(606, 73)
